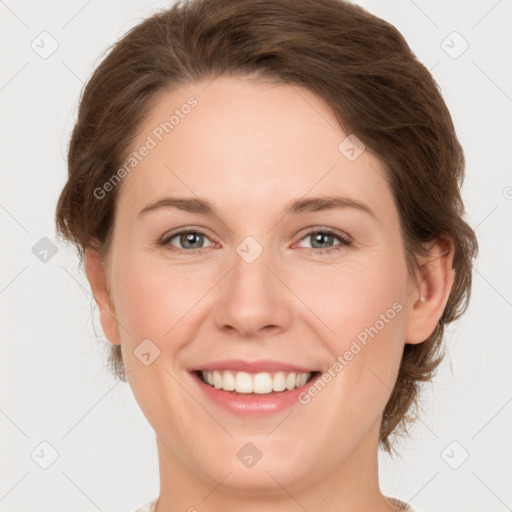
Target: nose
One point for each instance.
(253, 298)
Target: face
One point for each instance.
(257, 286)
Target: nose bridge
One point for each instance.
(252, 298)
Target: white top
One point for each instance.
(406, 507)
(150, 507)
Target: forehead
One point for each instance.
(246, 145)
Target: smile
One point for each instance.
(255, 389)
(260, 383)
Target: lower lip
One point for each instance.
(253, 404)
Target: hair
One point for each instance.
(359, 64)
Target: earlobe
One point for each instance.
(428, 300)
(98, 279)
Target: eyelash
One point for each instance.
(344, 242)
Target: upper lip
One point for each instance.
(262, 365)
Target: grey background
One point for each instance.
(54, 384)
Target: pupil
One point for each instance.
(190, 239)
(319, 236)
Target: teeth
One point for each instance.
(261, 383)
(279, 382)
(243, 383)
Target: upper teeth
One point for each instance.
(243, 382)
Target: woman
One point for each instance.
(266, 199)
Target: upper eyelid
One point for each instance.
(344, 238)
(167, 237)
(312, 229)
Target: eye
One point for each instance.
(324, 237)
(191, 240)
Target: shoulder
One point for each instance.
(148, 507)
(405, 507)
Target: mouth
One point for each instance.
(252, 383)
(253, 388)
(255, 395)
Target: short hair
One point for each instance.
(359, 64)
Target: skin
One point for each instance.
(250, 148)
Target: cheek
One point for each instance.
(362, 306)
(350, 297)
(156, 302)
(153, 298)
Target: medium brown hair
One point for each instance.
(359, 64)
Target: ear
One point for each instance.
(98, 279)
(426, 302)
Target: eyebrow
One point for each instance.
(295, 207)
